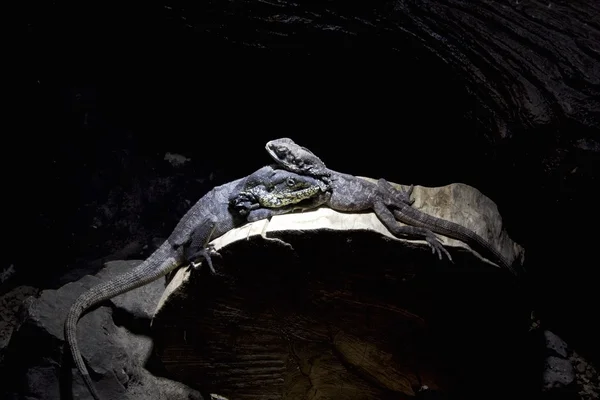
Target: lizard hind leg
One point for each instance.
(390, 192)
(198, 246)
(207, 253)
(388, 219)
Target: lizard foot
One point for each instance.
(244, 203)
(437, 247)
(207, 253)
(243, 208)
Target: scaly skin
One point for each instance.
(352, 194)
(208, 219)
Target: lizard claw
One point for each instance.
(207, 253)
(243, 204)
(437, 247)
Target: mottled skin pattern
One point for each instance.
(352, 194)
(208, 219)
(260, 197)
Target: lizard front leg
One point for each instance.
(255, 212)
(243, 204)
(388, 219)
(250, 207)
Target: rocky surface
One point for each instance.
(558, 375)
(332, 304)
(587, 377)
(10, 304)
(114, 340)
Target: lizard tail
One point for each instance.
(451, 229)
(161, 262)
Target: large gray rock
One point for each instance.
(325, 304)
(114, 341)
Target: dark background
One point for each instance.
(110, 89)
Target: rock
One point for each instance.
(5, 333)
(555, 345)
(332, 304)
(558, 373)
(9, 308)
(117, 354)
(587, 378)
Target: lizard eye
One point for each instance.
(291, 181)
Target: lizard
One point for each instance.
(210, 217)
(352, 194)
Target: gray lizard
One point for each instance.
(352, 194)
(212, 216)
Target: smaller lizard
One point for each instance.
(301, 160)
(352, 194)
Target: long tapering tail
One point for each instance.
(160, 263)
(414, 217)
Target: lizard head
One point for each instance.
(295, 158)
(277, 189)
(291, 190)
(285, 182)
